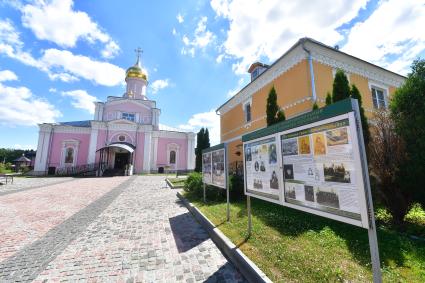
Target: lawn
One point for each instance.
(292, 246)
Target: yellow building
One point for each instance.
(302, 75)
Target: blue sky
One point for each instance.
(57, 57)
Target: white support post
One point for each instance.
(373, 239)
(205, 195)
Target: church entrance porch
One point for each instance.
(117, 160)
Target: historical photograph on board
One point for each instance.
(289, 147)
(337, 136)
(274, 183)
(319, 144)
(206, 167)
(304, 145)
(218, 174)
(290, 191)
(248, 155)
(327, 197)
(272, 154)
(309, 193)
(336, 173)
(288, 171)
(258, 184)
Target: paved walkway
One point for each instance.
(106, 229)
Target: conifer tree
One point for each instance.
(328, 100)
(274, 113)
(315, 106)
(198, 150)
(355, 93)
(341, 87)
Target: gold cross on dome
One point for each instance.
(138, 51)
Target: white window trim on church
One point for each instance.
(74, 144)
(173, 147)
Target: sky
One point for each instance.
(58, 57)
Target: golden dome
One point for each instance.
(136, 72)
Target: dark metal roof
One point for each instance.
(85, 123)
(22, 159)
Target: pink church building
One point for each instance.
(124, 137)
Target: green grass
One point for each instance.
(292, 246)
(177, 182)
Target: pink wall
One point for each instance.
(128, 107)
(56, 147)
(139, 152)
(162, 157)
(101, 137)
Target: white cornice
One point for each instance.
(320, 54)
(71, 129)
(339, 60)
(145, 103)
(167, 134)
(295, 56)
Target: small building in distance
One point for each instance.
(301, 76)
(21, 162)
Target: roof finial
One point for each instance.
(138, 52)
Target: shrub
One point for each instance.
(236, 187)
(193, 183)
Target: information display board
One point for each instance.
(321, 172)
(312, 164)
(262, 168)
(214, 166)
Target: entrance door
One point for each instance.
(121, 160)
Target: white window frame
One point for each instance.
(128, 113)
(74, 144)
(248, 102)
(173, 147)
(381, 87)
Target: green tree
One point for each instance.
(341, 87)
(408, 112)
(274, 114)
(315, 106)
(355, 93)
(202, 142)
(328, 99)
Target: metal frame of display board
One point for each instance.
(222, 146)
(348, 109)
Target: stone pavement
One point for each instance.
(137, 231)
(28, 183)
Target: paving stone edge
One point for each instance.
(248, 269)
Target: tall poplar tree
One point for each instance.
(355, 93)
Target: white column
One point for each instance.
(93, 145)
(191, 151)
(147, 152)
(40, 165)
(154, 151)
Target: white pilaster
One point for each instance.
(147, 152)
(40, 165)
(154, 151)
(191, 151)
(93, 145)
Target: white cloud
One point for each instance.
(56, 21)
(174, 31)
(102, 73)
(269, 28)
(24, 147)
(7, 75)
(53, 90)
(209, 120)
(18, 106)
(59, 64)
(180, 18)
(201, 38)
(81, 99)
(158, 85)
(232, 92)
(392, 36)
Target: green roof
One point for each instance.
(213, 148)
(335, 109)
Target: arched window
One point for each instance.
(172, 157)
(69, 155)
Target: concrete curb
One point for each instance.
(170, 184)
(248, 269)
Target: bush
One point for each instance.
(193, 183)
(236, 187)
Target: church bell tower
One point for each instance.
(136, 80)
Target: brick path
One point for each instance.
(29, 183)
(132, 231)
